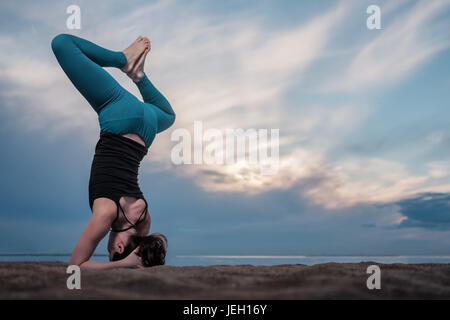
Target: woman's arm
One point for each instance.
(95, 231)
(103, 265)
(131, 261)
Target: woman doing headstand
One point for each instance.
(127, 129)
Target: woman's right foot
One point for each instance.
(137, 72)
(134, 52)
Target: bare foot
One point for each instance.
(134, 52)
(137, 72)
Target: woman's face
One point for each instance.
(117, 243)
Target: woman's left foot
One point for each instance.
(137, 72)
(134, 52)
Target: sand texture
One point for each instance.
(47, 280)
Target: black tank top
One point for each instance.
(114, 172)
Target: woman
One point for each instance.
(127, 129)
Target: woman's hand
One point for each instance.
(133, 260)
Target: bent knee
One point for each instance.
(166, 123)
(172, 120)
(60, 41)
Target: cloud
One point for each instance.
(367, 180)
(401, 47)
(205, 65)
(428, 210)
(439, 169)
(234, 73)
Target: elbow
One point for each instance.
(73, 262)
(76, 262)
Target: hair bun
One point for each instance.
(153, 250)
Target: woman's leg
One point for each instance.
(152, 96)
(82, 61)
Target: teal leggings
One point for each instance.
(118, 110)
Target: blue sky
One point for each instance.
(363, 118)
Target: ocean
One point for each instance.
(207, 260)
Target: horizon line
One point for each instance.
(242, 256)
(308, 256)
(47, 254)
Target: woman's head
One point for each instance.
(152, 249)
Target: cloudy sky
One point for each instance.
(363, 117)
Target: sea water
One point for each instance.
(207, 260)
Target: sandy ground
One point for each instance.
(47, 280)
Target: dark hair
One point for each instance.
(152, 249)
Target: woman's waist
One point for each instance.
(123, 149)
